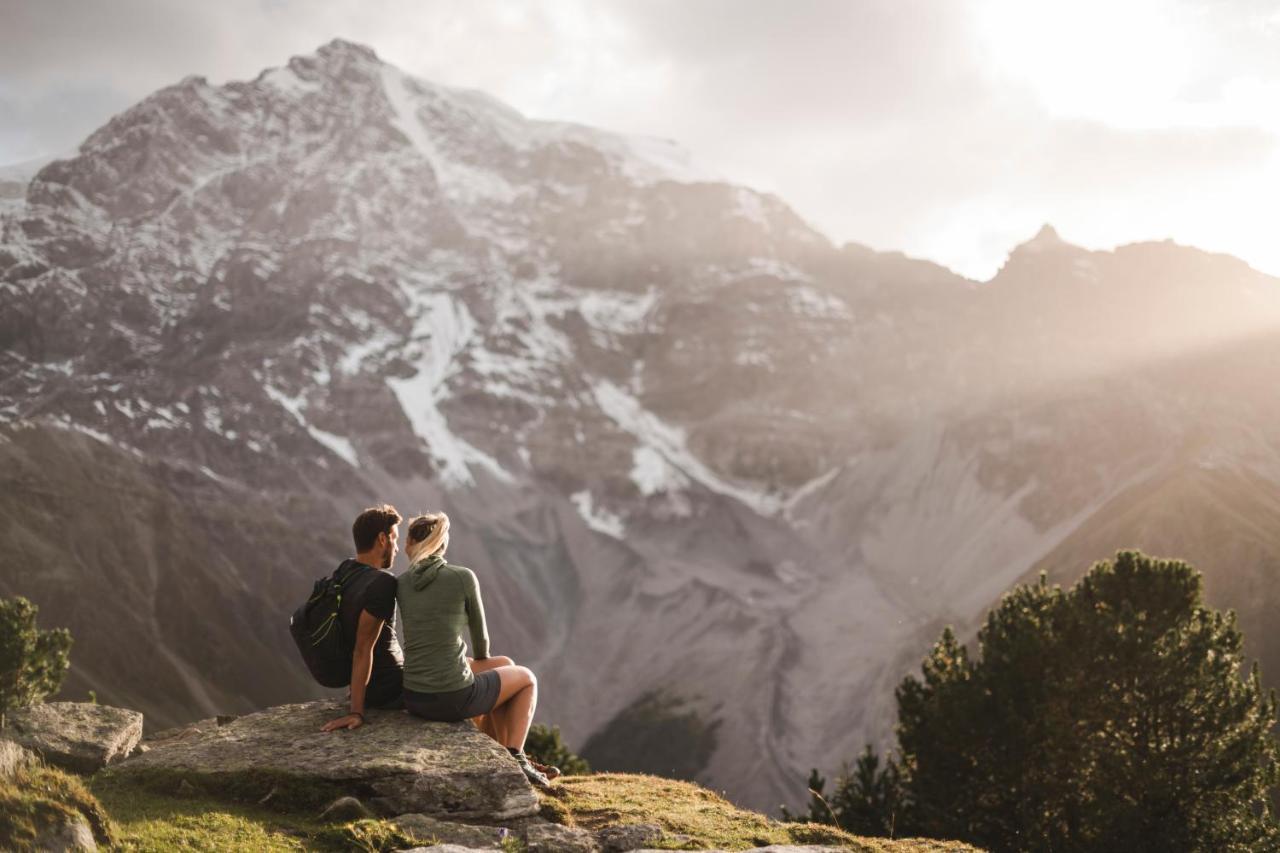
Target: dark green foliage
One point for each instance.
(32, 662)
(658, 735)
(1112, 716)
(866, 800)
(545, 746)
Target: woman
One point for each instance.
(440, 682)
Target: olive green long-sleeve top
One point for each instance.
(437, 601)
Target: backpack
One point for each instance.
(316, 627)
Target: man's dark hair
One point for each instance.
(370, 523)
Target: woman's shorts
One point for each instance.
(475, 699)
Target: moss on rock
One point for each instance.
(37, 799)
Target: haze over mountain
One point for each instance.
(686, 442)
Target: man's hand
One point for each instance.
(350, 721)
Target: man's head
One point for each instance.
(375, 534)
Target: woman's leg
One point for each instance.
(517, 700)
(490, 723)
(489, 663)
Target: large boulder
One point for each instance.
(395, 763)
(77, 736)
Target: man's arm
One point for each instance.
(361, 666)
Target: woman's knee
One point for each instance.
(514, 678)
(501, 660)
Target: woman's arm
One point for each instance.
(475, 616)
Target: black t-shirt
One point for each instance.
(374, 590)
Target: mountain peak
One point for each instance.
(1047, 239)
(343, 48)
(1046, 236)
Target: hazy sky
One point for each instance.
(949, 129)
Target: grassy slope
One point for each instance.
(130, 817)
(706, 819)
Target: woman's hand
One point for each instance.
(353, 720)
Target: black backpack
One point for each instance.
(316, 626)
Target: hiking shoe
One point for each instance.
(549, 770)
(536, 778)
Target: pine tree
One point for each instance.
(867, 799)
(1113, 716)
(33, 663)
(546, 746)
(818, 809)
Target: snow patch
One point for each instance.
(336, 443)
(354, 358)
(597, 518)
(619, 313)
(668, 442)
(808, 302)
(287, 82)
(653, 475)
(749, 206)
(458, 180)
(445, 327)
(810, 488)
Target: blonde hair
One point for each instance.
(428, 534)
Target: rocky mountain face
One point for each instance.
(686, 442)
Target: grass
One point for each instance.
(38, 798)
(702, 817)
(146, 820)
(125, 815)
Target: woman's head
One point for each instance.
(428, 534)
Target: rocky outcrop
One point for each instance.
(554, 838)
(395, 764)
(630, 836)
(423, 829)
(76, 736)
(70, 834)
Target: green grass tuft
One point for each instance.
(147, 819)
(39, 797)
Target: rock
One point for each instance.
(14, 758)
(186, 789)
(71, 834)
(342, 810)
(178, 733)
(772, 848)
(77, 736)
(554, 838)
(399, 762)
(440, 848)
(632, 836)
(421, 828)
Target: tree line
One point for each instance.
(1114, 715)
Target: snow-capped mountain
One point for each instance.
(685, 441)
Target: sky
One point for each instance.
(949, 129)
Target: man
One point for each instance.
(367, 612)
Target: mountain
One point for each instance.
(687, 443)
